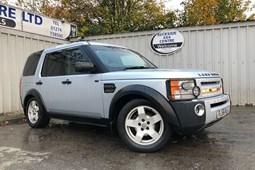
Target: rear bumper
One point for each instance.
(215, 109)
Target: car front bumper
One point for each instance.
(215, 108)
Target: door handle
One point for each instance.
(67, 82)
(39, 83)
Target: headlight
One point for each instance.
(183, 89)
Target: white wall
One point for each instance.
(227, 48)
(15, 47)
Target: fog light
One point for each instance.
(199, 109)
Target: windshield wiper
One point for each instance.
(138, 67)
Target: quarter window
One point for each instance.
(31, 64)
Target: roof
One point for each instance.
(63, 46)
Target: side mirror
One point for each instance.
(84, 66)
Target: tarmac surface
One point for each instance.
(228, 144)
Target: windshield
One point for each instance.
(118, 59)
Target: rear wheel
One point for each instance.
(35, 114)
(142, 127)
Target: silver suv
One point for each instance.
(116, 87)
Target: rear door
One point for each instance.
(69, 92)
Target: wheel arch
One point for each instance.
(32, 93)
(131, 92)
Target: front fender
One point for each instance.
(150, 94)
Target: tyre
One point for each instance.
(143, 127)
(36, 113)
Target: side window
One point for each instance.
(73, 56)
(54, 65)
(31, 64)
(63, 62)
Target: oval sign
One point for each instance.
(167, 42)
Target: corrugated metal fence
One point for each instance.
(228, 49)
(15, 47)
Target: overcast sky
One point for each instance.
(172, 4)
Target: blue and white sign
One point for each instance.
(19, 19)
(167, 42)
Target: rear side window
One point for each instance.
(31, 64)
(62, 63)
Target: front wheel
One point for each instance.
(142, 127)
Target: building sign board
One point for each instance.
(167, 42)
(19, 19)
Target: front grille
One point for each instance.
(218, 104)
(210, 83)
(209, 87)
